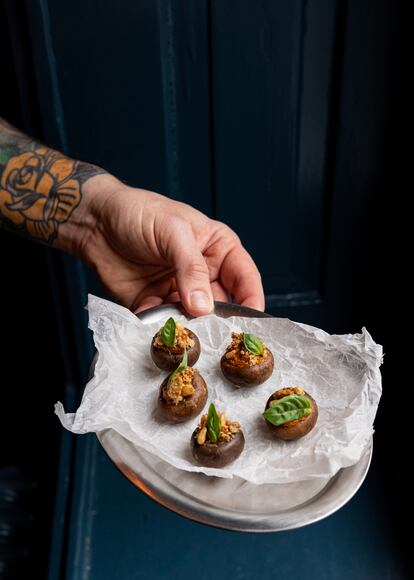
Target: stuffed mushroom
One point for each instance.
(290, 413)
(247, 361)
(217, 441)
(169, 344)
(183, 394)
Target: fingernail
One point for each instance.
(200, 301)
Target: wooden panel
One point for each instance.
(271, 73)
(134, 91)
(298, 130)
(120, 533)
(184, 30)
(109, 77)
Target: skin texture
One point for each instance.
(299, 429)
(245, 376)
(169, 361)
(146, 249)
(217, 454)
(187, 408)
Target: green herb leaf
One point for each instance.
(288, 409)
(168, 333)
(5, 155)
(253, 343)
(181, 367)
(213, 424)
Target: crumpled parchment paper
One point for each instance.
(341, 372)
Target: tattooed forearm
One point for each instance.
(39, 187)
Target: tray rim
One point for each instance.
(225, 518)
(228, 523)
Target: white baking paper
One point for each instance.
(341, 372)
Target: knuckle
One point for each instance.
(227, 232)
(197, 270)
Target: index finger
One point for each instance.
(239, 275)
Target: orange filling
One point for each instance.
(285, 393)
(180, 387)
(183, 340)
(237, 354)
(228, 429)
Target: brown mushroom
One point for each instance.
(228, 444)
(293, 429)
(244, 368)
(167, 358)
(175, 406)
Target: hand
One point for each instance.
(149, 250)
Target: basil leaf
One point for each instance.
(213, 424)
(288, 409)
(168, 333)
(181, 367)
(253, 343)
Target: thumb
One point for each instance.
(191, 274)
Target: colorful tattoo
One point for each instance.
(39, 187)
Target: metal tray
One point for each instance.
(233, 504)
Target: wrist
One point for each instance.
(75, 233)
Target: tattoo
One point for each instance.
(40, 188)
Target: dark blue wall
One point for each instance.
(286, 120)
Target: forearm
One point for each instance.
(45, 195)
(145, 248)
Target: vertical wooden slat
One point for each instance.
(110, 80)
(313, 117)
(46, 72)
(271, 73)
(66, 274)
(166, 14)
(185, 78)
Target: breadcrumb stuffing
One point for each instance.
(228, 429)
(183, 340)
(180, 387)
(288, 391)
(238, 355)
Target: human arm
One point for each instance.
(145, 248)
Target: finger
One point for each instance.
(152, 295)
(241, 277)
(173, 297)
(219, 292)
(148, 302)
(191, 272)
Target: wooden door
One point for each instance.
(273, 117)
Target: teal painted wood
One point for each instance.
(123, 534)
(45, 73)
(219, 103)
(184, 35)
(272, 73)
(221, 108)
(110, 81)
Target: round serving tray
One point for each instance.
(233, 504)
